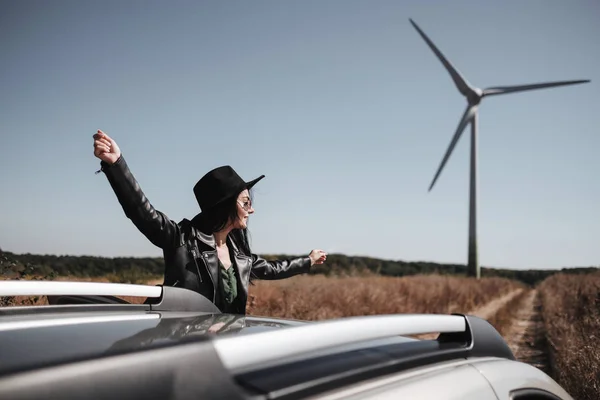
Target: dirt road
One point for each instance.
(526, 336)
(485, 311)
(490, 309)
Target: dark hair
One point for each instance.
(219, 217)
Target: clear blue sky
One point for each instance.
(340, 104)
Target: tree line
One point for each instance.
(141, 269)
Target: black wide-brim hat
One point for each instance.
(218, 185)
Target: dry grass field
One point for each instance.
(571, 314)
(319, 297)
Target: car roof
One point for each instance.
(28, 341)
(87, 339)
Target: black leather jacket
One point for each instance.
(190, 255)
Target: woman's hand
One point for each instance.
(105, 148)
(317, 257)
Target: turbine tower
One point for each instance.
(474, 96)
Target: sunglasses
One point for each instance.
(246, 205)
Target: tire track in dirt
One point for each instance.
(526, 337)
(488, 310)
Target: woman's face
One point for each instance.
(244, 208)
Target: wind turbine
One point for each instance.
(474, 96)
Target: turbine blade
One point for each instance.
(467, 117)
(520, 88)
(460, 82)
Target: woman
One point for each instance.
(209, 254)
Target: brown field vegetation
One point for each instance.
(319, 297)
(571, 314)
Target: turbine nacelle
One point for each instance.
(474, 96)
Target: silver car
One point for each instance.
(89, 343)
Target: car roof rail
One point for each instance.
(103, 294)
(34, 288)
(242, 354)
(302, 361)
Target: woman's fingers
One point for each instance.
(103, 136)
(105, 148)
(102, 142)
(101, 148)
(106, 137)
(318, 256)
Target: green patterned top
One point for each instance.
(228, 287)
